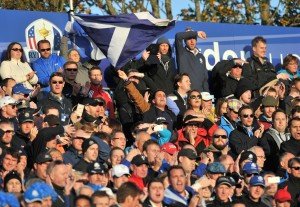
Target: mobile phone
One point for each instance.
(158, 128)
(79, 109)
(272, 180)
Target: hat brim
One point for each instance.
(258, 184)
(225, 183)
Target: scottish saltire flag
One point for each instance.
(122, 37)
(31, 38)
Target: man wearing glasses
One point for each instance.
(47, 64)
(8, 110)
(247, 134)
(293, 182)
(219, 145)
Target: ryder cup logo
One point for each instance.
(39, 30)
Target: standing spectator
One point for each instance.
(119, 174)
(207, 106)
(129, 195)
(187, 160)
(155, 194)
(56, 97)
(159, 65)
(262, 70)
(14, 66)
(8, 110)
(7, 85)
(47, 64)
(97, 91)
(139, 167)
(269, 105)
(190, 60)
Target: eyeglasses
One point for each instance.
(46, 49)
(195, 97)
(71, 69)
(9, 131)
(17, 49)
(251, 174)
(233, 111)
(247, 116)
(218, 136)
(55, 82)
(296, 168)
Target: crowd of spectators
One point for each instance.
(170, 134)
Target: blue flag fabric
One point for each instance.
(120, 38)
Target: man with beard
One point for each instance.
(269, 105)
(219, 144)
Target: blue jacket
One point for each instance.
(226, 125)
(45, 67)
(292, 76)
(173, 198)
(71, 156)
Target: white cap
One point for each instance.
(206, 96)
(6, 100)
(120, 170)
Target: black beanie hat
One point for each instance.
(87, 143)
(11, 175)
(243, 86)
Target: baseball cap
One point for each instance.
(43, 157)
(7, 100)
(206, 96)
(282, 195)
(187, 120)
(32, 195)
(269, 101)
(19, 88)
(224, 180)
(250, 168)
(189, 153)
(25, 117)
(87, 143)
(257, 180)
(234, 105)
(96, 168)
(216, 168)
(119, 170)
(92, 102)
(139, 160)
(169, 148)
(248, 155)
(161, 120)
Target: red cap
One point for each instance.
(169, 148)
(282, 195)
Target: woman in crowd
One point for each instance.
(290, 66)
(14, 66)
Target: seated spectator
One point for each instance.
(243, 91)
(219, 145)
(83, 200)
(228, 121)
(15, 67)
(97, 174)
(271, 188)
(269, 105)
(221, 107)
(7, 85)
(282, 170)
(260, 154)
(13, 183)
(155, 193)
(101, 199)
(292, 145)
(187, 160)
(119, 175)
(139, 168)
(290, 67)
(207, 106)
(116, 156)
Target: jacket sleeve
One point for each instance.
(42, 75)
(263, 142)
(137, 97)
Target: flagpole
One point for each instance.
(71, 18)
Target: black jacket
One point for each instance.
(293, 187)
(292, 146)
(217, 203)
(250, 203)
(262, 73)
(239, 140)
(147, 203)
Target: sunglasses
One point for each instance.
(100, 103)
(195, 97)
(9, 131)
(46, 49)
(218, 136)
(296, 168)
(71, 69)
(248, 116)
(233, 111)
(55, 82)
(251, 174)
(17, 49)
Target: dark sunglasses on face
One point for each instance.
(248, 116)
(233, 111)
(55, 82)
(46, 49)
(9, 131)
(17, 49)
(195, 97)
(100, 103)
(296, 168)
(218, 136)
(251, 174)
(71, 69)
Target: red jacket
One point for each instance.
(138, 181)
(96, 91)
